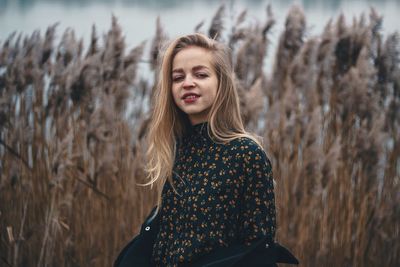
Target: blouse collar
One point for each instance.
(200, 129)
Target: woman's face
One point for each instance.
(194, 82)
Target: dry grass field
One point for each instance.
(73, 119)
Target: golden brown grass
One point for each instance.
(71, 152)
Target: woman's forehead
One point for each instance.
(192, 57)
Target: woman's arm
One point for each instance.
(256, 230)
(257, 216)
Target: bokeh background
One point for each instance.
(137, 17)
(318, 80)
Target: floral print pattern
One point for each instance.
(225, 195)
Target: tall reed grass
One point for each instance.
(73, 118)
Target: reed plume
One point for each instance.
(73, 118)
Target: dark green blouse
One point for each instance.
(225, 194)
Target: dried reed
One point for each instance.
(72, 124)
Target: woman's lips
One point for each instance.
(191, 98)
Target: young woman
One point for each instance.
(216, 204)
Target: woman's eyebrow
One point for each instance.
(177, 70)
(195, 68)
(199, 67)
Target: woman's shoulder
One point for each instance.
(245, 147)
(245, 143)
(249, 154)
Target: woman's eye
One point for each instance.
(177, 78)
(202, 75)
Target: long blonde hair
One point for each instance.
(168, 123)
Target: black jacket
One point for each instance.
(138, 251)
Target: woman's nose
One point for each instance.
(188, 82)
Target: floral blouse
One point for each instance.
(226, 194)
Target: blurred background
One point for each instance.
(137, 17)
(319, 82)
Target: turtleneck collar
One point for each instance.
(199, 129)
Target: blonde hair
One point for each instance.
(168, 123)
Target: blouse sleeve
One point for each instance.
(257, 215)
